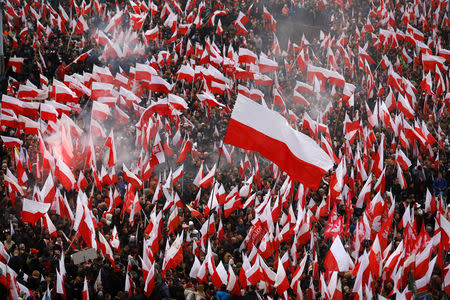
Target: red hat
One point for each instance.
(34, 250)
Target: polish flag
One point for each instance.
(173, 255)
(4, 256)
(144, 72)
(301, 61)
(85, 290)
(16, 63)
(349, 90)
(430, 203)
(177, 102)
(103, 73)
(149, 285)
(121, 115)
(48, 190)
(390, 102)
(64, 175)
(430, 62)
(173, 221)
(208, 179)
(112, 150)
(82, 182)
(209, 100)
(48, 112)
(267, 65)
(63, 94)
(337, 180)
(128, 96)
(400, 177)
(184, 150)
(12, 103)
(298, 98)
(114, 240)
(28, 91)
(257, 128)
(177, 174)
(152, 34)
(199, 176)
(159, 85)
(82, 57)
(305, 88)
(47, 222)
(422, 283)
(32, 211)
(101, 89)
(364, 195)
(405, 108)
(337, 259)
(100, 111)
(131, 177)
(427, 84)
(10, 142)
(403, 160)
(246, 56)
(365, 56)
(281, 281)
(157, 156)
(186, 72)
(120, 81)
(233, 285)
(327, 148)
(13, 183)
(106, 248)
(81, 26)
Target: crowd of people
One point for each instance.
(113, 117)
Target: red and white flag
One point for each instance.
(100, 111)
(337, 258)
(281, 281)
(267, 65)
(186, 72)
(48, 190)
(257, 128)
(32, 211)
(246, 56)
(157, 157)
(64, 175)
(48, 112)
(177, 102)
(85, 290)
(159, 85)
(145, 72)
(106, 249)
(298, 98)
(82, 57)
(177, 174)
(208, 179)
(112, 156)
(10, 142)
(16, 63)
(4, 256)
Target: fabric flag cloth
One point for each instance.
(32, 211)
(257, 128)
(85, 290)
(10, 142)
(337, 258)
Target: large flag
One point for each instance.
(257, 128)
